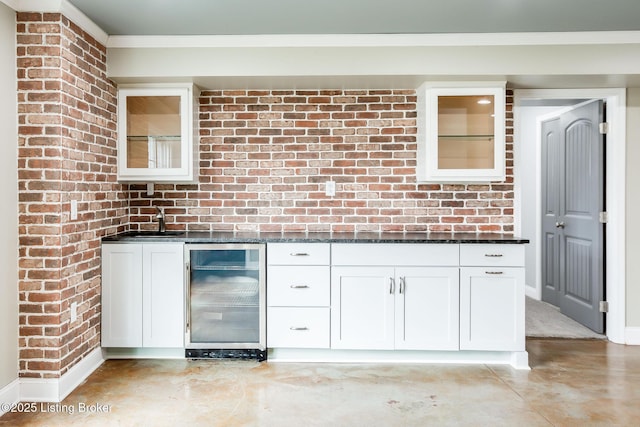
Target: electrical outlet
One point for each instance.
(74, 311)
(330, 188)
(74, 210)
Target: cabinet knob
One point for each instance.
(403, 284)
(392, 284)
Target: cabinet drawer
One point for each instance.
(304, 286)
(500, 255)
(395, 254)
(293, 327)
(298, 253)
(492, 311)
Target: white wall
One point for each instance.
(633, 207)
(377, 61)
(9, 198)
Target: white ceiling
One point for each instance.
(338, 43)
(252, 17)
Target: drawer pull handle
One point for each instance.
(494, 272)
(392, 285)
(299, 328)
(403, 284)
(299, 254)
(299, 287)
(493, 255)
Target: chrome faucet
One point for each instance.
(160, 218)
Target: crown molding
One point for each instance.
(65, 8)
(13, 4)
(378, 40)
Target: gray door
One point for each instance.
(572, 199)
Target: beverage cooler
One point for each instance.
(226, 295)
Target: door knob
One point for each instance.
(559, 224)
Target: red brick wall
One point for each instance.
(67, 149)
(265, 156)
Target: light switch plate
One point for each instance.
(330, 188)
(74, 210)
(74, 311)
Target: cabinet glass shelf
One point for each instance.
(470, 137)
(154, 136)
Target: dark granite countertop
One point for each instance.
(297, 237)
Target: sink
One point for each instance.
(153, 233)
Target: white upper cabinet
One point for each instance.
(461, 132)
(157, 133)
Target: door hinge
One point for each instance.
(603, 217)
(604, 128)
(604, 306)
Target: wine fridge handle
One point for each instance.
(187, 298)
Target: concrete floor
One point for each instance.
(572, 383)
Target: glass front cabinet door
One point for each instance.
(156, 131)
(461, 133)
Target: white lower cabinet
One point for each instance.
(143, 295)
(492, 309)
(426, 309)
(121, 295)
(385, 308)
(298, 276)
(398, 301)
(409, 304)
(492, 312)
(362, 308)
(163, 295)
(298, 327)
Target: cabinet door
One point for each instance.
(121, 295)
(427, 308)
(163, 295)
(362, 304)
(461, 133)
(155, 133)
(492, 309)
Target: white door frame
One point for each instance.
(615, 190)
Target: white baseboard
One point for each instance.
(56, 389)
(517, 359)
(76, 375)
(9, 394)
(531, 292)
(632, 336)
(39, 390)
